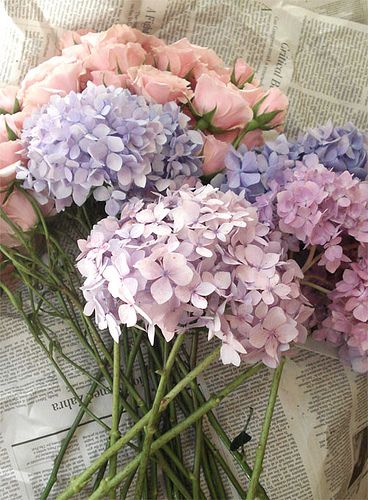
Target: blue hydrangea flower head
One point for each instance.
(108, 142)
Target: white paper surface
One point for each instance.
(315, 50)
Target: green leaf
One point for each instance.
(3, 111)
(11, 135)
(209, 115)
(16, 106)
(265, 118)
(258, 104)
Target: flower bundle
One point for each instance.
(210, 232)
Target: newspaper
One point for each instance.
(315, 50)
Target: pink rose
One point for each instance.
(220, 73)
(159, 86)
(275, 101)
(178, 60)
(251, 139)
(70, 38)
(7, 98)
(58, 75)
(231, 109)
(214, 152)
(115, 57)
(243, 72)
(9, 154)
(20, 211)
(252, 94)
(14, 122)
(202, 54)
(79, 52)
(121, 33)
(109, 78)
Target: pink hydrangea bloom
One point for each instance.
(347, 322)
(195, 258)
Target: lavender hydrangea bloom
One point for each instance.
(338, 148)
(254, 172)
(109, 142)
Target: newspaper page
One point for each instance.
(315, 50)
(318, 438)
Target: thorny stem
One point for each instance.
(261, 448)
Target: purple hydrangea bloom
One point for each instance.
(251, 172)
(338, 148)
(255, 172)
(106, 141)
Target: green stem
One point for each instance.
(315, 286)
(78, 483)
(198, 428)
(114, 433)
(66, 441)
(154, 415)
(312, 252)
(125, 488)
(215, 424)
(224, 466)
(186, 404)
(252, 125)
(211, 480)
(214, 401)
(261, 448)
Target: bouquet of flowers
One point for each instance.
(190, 226)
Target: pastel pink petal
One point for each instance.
(274, 318)
(204, 252)
(149, 269)
(127, 315)
(260, 280)
(113, 327)
(229, 355)
(175, 265)
(247, 274)
(258, 337)
(254, 255)
(271, 347)
(286, 333)
(131, 284)
(161, 290)
(281, 290)
(270, 260)
(361, 313)
(223, 279)
(199, 301)
(268, 298)
(121, 264)
(205, 288)
(183, 293)
(89, 308)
